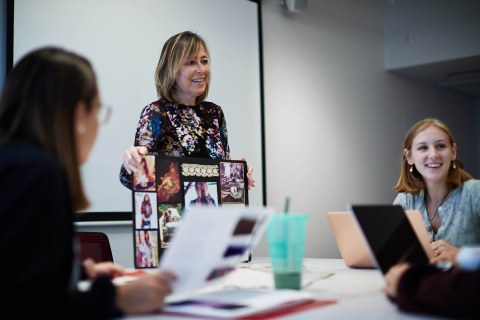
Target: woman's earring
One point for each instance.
(454, 166)
(411, 169)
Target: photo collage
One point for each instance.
(165, 186)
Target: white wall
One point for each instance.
(124, 53)
(335, 119)
(429, 31)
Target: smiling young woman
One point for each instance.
(49, 120)
(433, 181)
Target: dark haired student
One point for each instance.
(49, 111)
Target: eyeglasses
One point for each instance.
(104, 113)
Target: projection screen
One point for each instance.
(123, 39)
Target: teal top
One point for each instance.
(460, 213)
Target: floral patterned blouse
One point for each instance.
(181, 131)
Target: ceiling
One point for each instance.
(434, 40)
(461, 75)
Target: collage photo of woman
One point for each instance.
(166, 186)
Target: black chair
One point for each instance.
(94, 245)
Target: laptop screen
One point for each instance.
(389, 234)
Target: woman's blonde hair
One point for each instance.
(175, 52)
(412, 182)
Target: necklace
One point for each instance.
(430, 226)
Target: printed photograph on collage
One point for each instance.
(200, 194)
(170, 217)
(144, 178)
(168, 187)
(232, 182)
(146, 249)
(146, 210)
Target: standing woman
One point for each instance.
(48, 124)
(433, 182)
(181, 123)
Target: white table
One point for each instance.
(358, 292)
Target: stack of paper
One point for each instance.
(237, 303)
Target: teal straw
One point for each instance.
(287, 205)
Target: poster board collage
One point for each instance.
(164, 187)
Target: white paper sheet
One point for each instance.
(211, 241)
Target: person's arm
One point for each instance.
(428, 289)
(475, 197)
(94, 270)
(224, 134)
(145, 294)
(250, 179)
(42, 225)
(401, 200)
(443, 251)
(145, 142)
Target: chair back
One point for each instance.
(94, 245)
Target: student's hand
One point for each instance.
(443, 251)
(94, 270)
(392, 277)
(132, 157)
(251, 180)
(145, 294)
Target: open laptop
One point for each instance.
(416, 220)
(350, 242)
(352, 245)
(390, 235)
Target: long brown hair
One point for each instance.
(143, 209)
(175, 51)
(38, 104)
(412, 182)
